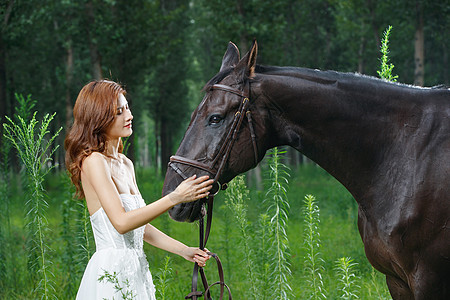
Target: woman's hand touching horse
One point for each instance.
(191, 189)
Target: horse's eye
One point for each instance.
(215, 119)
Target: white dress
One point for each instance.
(119, 255)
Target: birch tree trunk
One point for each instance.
(96, 68)
(69, 79)
(419, 47)
(3, 97)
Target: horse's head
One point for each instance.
(218, 141)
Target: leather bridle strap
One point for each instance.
(195, 294)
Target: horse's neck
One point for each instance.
(341, 125)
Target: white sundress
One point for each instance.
(119, 255)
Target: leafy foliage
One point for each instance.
(163, 279)
(35, 153)
(313, 262)
(122, 287)
(347, 278)
(236, 199)
(278, 211)
(386, 67)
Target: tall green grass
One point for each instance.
(35, 152)
(163, 280)
(338, 238)
(347, 278)
(278, 212)
(313, 262)
(236, 199)
(386, 67)
(6, 256)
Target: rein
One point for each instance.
(220, 160)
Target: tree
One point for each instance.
(167, 81)
(419, 46)
(5, 13)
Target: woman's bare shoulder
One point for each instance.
(94, 160)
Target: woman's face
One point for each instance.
(121, 127)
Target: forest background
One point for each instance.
(163, 52)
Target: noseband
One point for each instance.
(220, 160)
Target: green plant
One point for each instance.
(25, 106)
(380, 290)
(312, 261)
(278, 211)
(83, 235)
(386, 67)
(35, 152)
(119, 287)
(163, 279)
(347, 278)
(5, 223)
(236, 197)
(69, 243)
(263, 256)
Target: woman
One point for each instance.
(119, 217)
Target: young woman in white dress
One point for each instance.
(119, 217)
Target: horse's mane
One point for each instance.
(315, 75)
(330, 77)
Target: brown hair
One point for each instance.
(94, 111)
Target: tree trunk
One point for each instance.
(243, 40)
(2, 80)
(69, 79)
(166, 146)
(373, 16)
(445, 62)
(3, 95)
(419, 47)
(93, 48)
(362, 47)
(157, 145)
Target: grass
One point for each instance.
(313, 263)
(34, 146)
(338, 234)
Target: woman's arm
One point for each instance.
(97, 182)
(158, 239)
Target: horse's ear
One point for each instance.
(248, 62)
(231, 57)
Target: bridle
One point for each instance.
(224, 152)
(220, 160)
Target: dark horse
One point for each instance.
(387, 143)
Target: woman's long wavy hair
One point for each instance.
(93, 113)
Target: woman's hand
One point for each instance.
(196, 255)
(192, 189)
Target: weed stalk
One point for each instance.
(163, 279)
(386, 68)
(312, 260)
(236, 196)
(347, 278)
(34, 151)
(278, 211)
